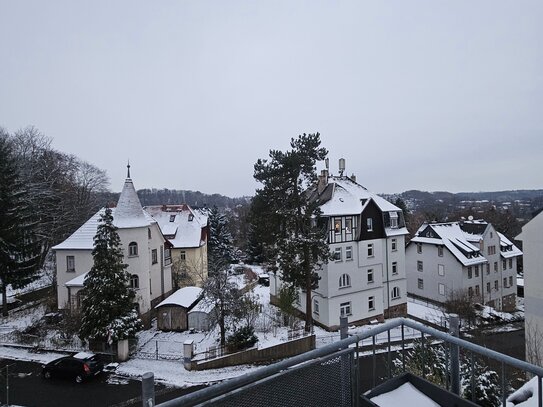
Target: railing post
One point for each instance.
(403, 348)
(455, 355)
(148, 390)
(343, 327)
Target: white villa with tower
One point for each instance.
(145, 249)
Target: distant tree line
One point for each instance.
(44, 196)
(195, 199)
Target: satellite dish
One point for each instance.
(470, 218)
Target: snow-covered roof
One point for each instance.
(505, 242)
(83, 238)
(180, 224)
(343, 196)
(406, 394)
(348, 198)
(202, 306)
(77, 281)
(454, 239)
(184, 297)
(129, 213)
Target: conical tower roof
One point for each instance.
(129, 213)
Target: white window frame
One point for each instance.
(134, 281)
(394, 220)
(370, 276)
(344, 281)
(394, 245)
(338, 254)
(345, 309)
(420, 284)
(154, 256)
(441, 288)
(395, 294)
(419, 248)
(420, 266)
(369, 224)
(370, 250)
(394, 268)
(349, 253)
(132, 249)
(441, 270)
(371, 303)
(70, 268)
(182, 255)
(315, 306)
(440, 251)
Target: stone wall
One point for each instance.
(255, 355)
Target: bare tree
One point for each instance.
(534, 342)
(461, 303)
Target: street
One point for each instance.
(27, 388)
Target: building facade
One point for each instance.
(145, 250)
(366, 279)
(187, 230)
(532, 246)
(444, 259)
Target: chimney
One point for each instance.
(322, 182)
(353, 177)
(341, 166)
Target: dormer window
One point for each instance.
(172, 218)
(394, 220)
(191, 217)
(369, 223)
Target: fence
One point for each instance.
(71, 344)
(160, 350)
(338, 374)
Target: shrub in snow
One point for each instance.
(432, 361)
(242, 338)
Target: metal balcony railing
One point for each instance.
(339, 373)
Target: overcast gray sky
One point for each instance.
(431, 95)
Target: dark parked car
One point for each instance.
(80, 366)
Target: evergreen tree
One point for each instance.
(220, 244)
(20, 248)
(294, 239)
(107, 308)
(432, 361)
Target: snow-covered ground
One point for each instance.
(526, 396)
(169, 345)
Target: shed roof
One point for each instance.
(184, 297)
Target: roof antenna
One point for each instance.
(128, 166)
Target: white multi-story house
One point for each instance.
(467, 256)
(532, 246)
(145, 250)
(366, 234)
(187, 230)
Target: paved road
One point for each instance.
(27, 388)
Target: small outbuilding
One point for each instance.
(172, 313)
(199, 316)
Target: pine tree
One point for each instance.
(220, 245)
(107, 308)
(295, 239)
(20, 248)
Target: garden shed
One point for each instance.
(172, 313)
(199, 319)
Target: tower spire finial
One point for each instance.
(128, 167)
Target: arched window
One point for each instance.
(344, 281)
(133, 249)
(134, 281)
(395, 292)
